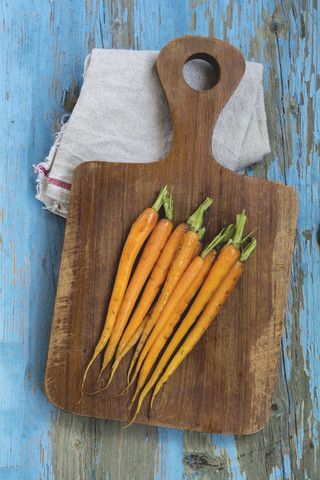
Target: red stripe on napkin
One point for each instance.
(59, 183)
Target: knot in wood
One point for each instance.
(77, 444)
(202, 462)
(275, 27)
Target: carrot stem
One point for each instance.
(168, 206)
(201, 233)
(222, 237)
(249, 235)
(240, 223)
(195, 221)
(160, 199)
(246, 252)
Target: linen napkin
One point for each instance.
(122, 115)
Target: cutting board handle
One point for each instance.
(194, 113)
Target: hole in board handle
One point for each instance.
(201, 71)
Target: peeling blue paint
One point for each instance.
(170, 454)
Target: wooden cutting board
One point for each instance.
(226, 384)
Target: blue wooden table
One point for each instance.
(43, 47)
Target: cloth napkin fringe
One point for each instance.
(43, 170)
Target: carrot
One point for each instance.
(227, 257)
(150, 292)
(131, 343)
(187, 287)
(157, 278)
(179, 264)
(139, 231)
(205, 319)
(198, 247)
(152, 321)
(149, 257)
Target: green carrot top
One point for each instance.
(195, 221)
(168, 206)
(246, 252)
(222, 238)
(201, 233)
(240, 224)
(160, 199)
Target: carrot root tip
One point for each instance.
(78, 402)
(99, 379)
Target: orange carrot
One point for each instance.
(149, 257)
(163, 299)
(187, 287)
(154, 284)
(209, 313)
(152, 321)
(199, 268)
(227, 257)
(198, 247)
(139, 232)
(179, 264)
(150, 292)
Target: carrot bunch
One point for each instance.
(164, 257)
(163, 306)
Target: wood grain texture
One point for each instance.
(226, 384)
(44, 44)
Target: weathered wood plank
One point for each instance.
(85, 448)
